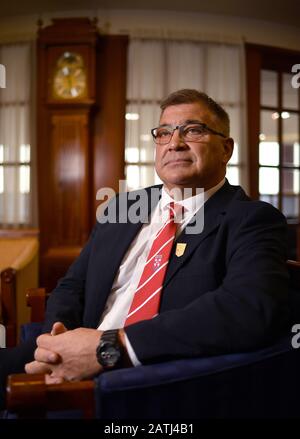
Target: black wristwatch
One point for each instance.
(109, 350)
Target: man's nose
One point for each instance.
(176, 141)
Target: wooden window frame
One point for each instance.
(263, 58)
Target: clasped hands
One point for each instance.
(66, 354)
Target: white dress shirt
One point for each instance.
(132, 265)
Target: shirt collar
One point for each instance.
(192, 204)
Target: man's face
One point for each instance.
(189, 164)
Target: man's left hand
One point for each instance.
(73, 355)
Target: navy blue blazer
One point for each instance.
(226, 293)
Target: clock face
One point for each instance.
(70, 79)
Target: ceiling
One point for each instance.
(283, 11)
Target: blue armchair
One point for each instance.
(260, 384)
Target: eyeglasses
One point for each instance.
(189, 132)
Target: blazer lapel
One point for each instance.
(213, 212)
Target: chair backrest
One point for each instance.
(18, 271)
(8, 305)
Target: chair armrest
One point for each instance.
(187, 369)
(236, 385)
(30, 396)
(253, 384)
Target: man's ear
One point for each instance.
(228, 148)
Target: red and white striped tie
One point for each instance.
(146, 299)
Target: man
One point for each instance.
(221, 290)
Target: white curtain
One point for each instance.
(16, 156)
(159, 67)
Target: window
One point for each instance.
(15, 137)
(154, 72)
(274, 121)
(279, 160)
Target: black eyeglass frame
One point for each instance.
(181, 128)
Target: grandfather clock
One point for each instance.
(69, 112)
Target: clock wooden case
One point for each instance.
(70, 145)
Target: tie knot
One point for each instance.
(176, 211)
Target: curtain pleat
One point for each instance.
(15, 136)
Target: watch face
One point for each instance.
(109, 355)
(70, 79)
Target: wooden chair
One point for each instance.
(18, 271)
(263, 383)
(30, 396)
(8, 308)
(36, 301)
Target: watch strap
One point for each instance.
(111, 335)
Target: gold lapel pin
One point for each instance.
(180, 249)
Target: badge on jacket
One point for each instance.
(180, 249)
